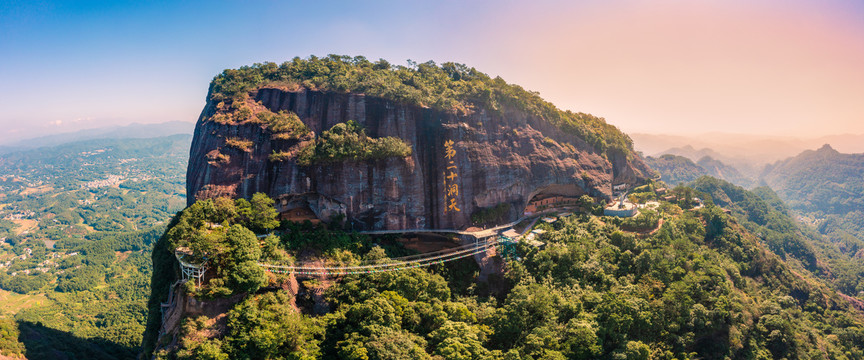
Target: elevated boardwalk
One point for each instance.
(485, 233)
(190, 270)
(484, 240)
(397, 264)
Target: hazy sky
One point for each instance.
(767, 67)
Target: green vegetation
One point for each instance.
(216, 157)
(264, 326)
(762, 213)
(823, 191)
(449, 87)
(277, 156)
(647, 219)
(827, 189)
(685, 196)
(644, 193)
(490, 215)
(831, 257)
(284, 125)
(702, 286)
(822, 181)
(348, 141)
(217, 231)
(240, 144)
(83, 219)
(9, 344)
(677, 170)
(690, 291)
(674, 169)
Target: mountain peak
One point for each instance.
(826, 148)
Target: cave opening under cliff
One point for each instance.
(554, 197)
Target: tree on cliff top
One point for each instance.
(449, 87)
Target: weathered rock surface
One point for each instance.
(499, 157)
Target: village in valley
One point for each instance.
(56, 200)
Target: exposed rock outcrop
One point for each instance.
(497, 157)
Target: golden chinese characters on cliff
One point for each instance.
(451, 188)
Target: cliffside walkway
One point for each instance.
(477, 234)
(396, 264)
(485, 239)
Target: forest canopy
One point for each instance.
(703, 285)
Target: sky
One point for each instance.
(790, 68)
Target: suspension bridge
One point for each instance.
(387, 265)
(484, 240)
(479, 246)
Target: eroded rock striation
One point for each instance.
(459, 165)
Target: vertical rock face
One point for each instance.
(459, 164)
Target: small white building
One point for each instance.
(623, 208)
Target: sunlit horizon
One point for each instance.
(768, 68)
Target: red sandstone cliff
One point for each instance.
(498, 158)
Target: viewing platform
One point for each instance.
(190, 270)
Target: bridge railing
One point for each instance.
(341, 271)
(421, 260)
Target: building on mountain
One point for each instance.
(549, 203)
(308, 206)
(299, 214)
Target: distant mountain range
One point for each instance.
(824, 187)
(738, 158)
(134, 130)
(738, 149)
(676, 169)
(823, 180)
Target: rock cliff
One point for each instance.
(460, 163)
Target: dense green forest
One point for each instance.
(822, 180)
(448, 87)
(812, 213)
(825, 189)
(704, 285)
(79, 222)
